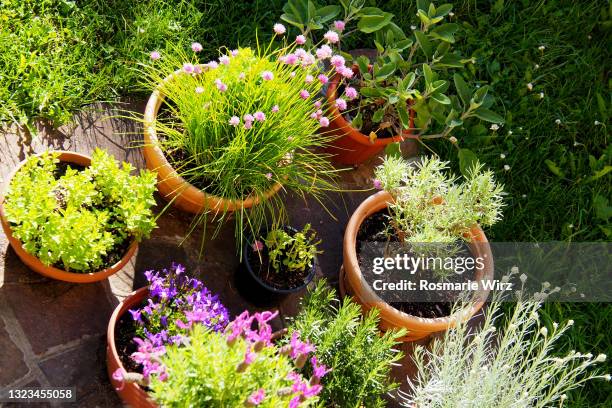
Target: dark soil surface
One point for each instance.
(373, 230)
(260, 265)
(125, 331)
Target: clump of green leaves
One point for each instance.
(409, 72)
(79, 220)
(431, 206)
(291, 252)
(351, 345)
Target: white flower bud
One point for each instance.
(530, 86)
(523, 277)
(570, 322)
(601, 358)
(558, 121)
(544, 331)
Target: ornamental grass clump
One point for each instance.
(409, 72)
(174, 305)
(79, 219)
(508, 362)
(351, 345)
(241, 126)
(239, 367)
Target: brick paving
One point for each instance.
(52, 333)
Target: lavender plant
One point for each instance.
(409, 72)
(241, 367)
(506, 363)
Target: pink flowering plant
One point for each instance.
(418, 72)
(239, 126)
(241, 366)
(175, 304)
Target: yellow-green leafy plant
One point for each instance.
(291, 252)
(79, 220)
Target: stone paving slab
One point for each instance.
(53, 333)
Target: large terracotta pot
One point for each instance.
(353, 282)
(349, 145)
(49, 271)
(130, 393)
(171, 185)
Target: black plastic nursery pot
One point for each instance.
(255, 288)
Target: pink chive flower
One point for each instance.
(290, 59)
(323, 79)
(234, 53)
(337, 61)
(275, 108)
(314, 115)
(196, 47)
(304, 94)
(248, 125)
(308, 59)
(332, 37)
(300, 40)
(199, 90)
(267, 75)
(188, 68)
(279, 29)
(155, 55)
(292, 75)
(341, 104)
(324, 52)
(221, 86)
(257, 246)
(319, 113)
(269, 176)
(225, 60)
(234, 121)
(300, 52)
(324, 122)
(339, 25)
(257, 397)
(377, 184)
(345, 72)
(317, 104)
(212, 65)
(197, 69)
(259, 116)
(350, 92)
(248, 117)
(241, 76)
(309, 79)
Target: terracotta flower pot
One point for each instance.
(354, 283)
(349, 145)
(171, 185)
(130, 393)
(49, 271)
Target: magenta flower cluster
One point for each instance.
(257, 332)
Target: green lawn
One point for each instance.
(555, 140)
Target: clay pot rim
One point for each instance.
(152, 142)
(340, 122)
(369, 206)
(37, 265)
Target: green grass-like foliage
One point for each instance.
(431, 206)
(205, 374)
(235, 162)
(291, 252)
(351, 345)
(75, 221)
